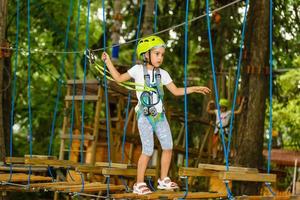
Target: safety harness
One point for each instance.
(147, 106)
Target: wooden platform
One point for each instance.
(64, 187)
(22, 168)
(169, 195)
(126, 172)
(267, 197)
(234, 173)
(20, 177)
(88, 187)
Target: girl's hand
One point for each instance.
(201, 89)
(105, 57)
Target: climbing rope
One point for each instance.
(238, 74)
(129, 93)
(62, 69)
(14, 90)
(134, 40)
(84, 90)
(28, 89)
(185, 94)
(216, 91)
(270, 94)
(106, 98)
(155, 16)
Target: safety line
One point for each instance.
(133, 40)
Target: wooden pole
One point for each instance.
(295, 178)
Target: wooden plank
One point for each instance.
(49, 185)
(113, 165)
(245, 197)
(243, 176)
(55, 163)
(99, 166)
(223, 168)
(23, 178)
(16, 160)
(89, 169)
(189, 171)
(79, 98)
(126, 172)
(44, 157)
(77, 137)
(169, 195)
(70, 164)
(23, 168)
(88, 187)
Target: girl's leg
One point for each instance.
(146, 134)
(166, 157)
(141, 168)
(215, 144)
(164, 135)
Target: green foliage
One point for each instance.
(48, 30)
(286, 116)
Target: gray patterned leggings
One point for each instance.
(162, 131)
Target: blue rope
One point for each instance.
(155, 16)
(125, 126)
(74, 80)
(185, 92)
(28, 89)
(74, 87)
(215, 81)
(60, 79)
(14, 90)
(129, 93)
(216, 90)
(138, 32)
(270, 94)
(271, 84)
(83, 90)
(106, 97)
(238, 73)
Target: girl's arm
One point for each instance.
(114, 72)
(193, 89)
(239, 110)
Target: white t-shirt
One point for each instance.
(137, 73)
(225, 117)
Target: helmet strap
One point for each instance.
(149, 53)
(147, 61)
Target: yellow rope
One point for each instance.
(127, 84)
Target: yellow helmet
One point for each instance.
(224, 102)
(147, 43)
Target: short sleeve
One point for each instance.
(133, 71)
(165, 77)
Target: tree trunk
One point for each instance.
(254, 88)
(148, 19)
(3, 13)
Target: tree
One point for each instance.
(254, 87)
(3, 136)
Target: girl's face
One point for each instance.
(157, 56)
(223, 108)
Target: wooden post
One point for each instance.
(294, 178)
(96, 125)
(64, 128)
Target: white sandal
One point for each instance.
(141, 189)
(166, 184)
